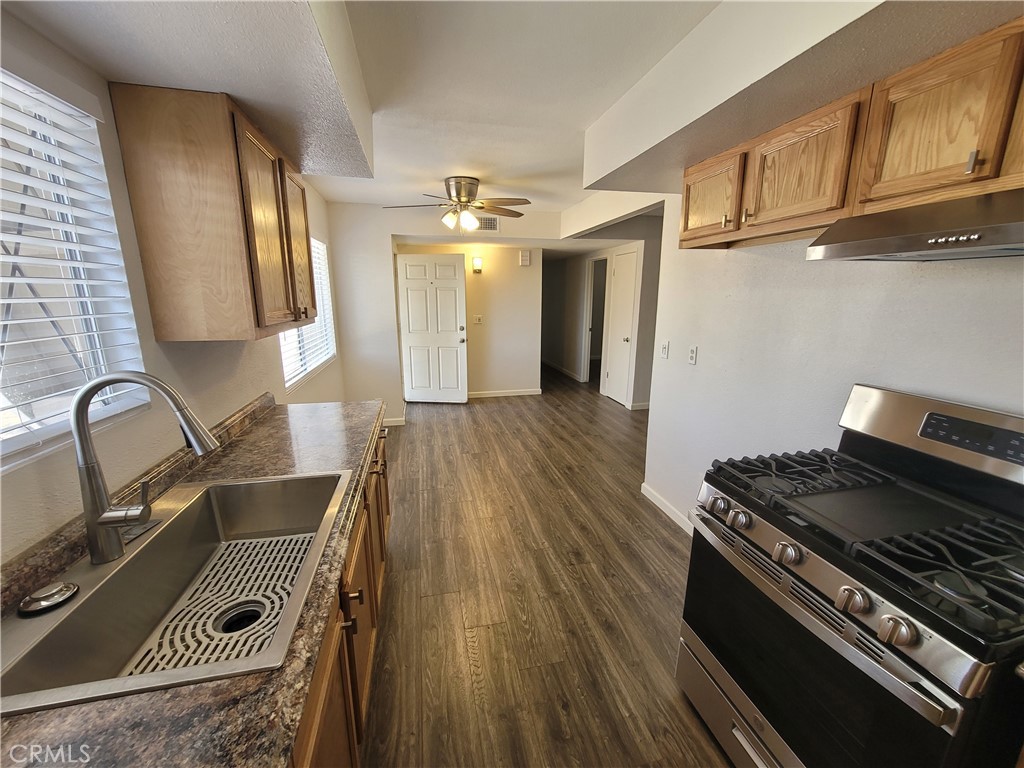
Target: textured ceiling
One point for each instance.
(268, 56)
(885, 40)
(498, 90)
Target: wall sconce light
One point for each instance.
(478, 265)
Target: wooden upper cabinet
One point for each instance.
(208, 203)
(802, 169)
(297, 231)
(944, 121)
(711, 197)
(264, 220)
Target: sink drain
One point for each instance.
(239, 617)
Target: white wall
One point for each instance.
(216, 378)
(503, 352)
(781, 341)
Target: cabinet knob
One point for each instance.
(972, 162)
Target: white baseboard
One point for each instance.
(677, 517)
(574, 375)
(505, 393)
(638, 406)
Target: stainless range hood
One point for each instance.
(974, 227)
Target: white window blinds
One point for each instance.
(65, 312)
(305, 348)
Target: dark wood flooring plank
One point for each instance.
(393, 722)
(533, 595)
(450, 725)
(509, 735)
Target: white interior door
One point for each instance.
(432, 313)
(618, 351)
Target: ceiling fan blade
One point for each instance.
(497, 211)
(438, 197)
(425, 205)
(502, 201)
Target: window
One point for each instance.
(65, 311)
(306, 348)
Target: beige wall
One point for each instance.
(363, 239)
(503, 355)
(216, 378)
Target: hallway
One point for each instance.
(532, 596)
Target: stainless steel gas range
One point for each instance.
(864, 607)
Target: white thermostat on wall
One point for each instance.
(524, 258)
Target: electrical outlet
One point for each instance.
(664, 350)
(478, 319)
(693, 355)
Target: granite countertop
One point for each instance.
(250, 719)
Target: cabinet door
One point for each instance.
(802, 170)
(942, 122)
(297, 229)
(264, 221)
(326, 735)
(711, 197)
(384, 493)
(357, 602)
(375, 528)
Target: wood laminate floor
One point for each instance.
(532, 596)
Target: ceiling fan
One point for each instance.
(462, 203)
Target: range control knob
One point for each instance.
(738, 519)
(786, 553)
(719, 505)
(853, 600)
(896, 630)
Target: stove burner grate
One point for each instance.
(973, 573)
(771, 478)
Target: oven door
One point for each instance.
(792, 670)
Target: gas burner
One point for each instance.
(958, 586)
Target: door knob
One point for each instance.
(625, 338)
(462, 327)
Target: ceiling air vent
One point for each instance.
(487, 223)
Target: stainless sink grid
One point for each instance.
(257, 575)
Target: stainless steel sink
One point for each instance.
(215, 590)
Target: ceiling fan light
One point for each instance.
(468, 221)
(450, 219)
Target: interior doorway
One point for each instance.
(597, 280)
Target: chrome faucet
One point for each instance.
(101, 519)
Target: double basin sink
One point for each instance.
(214, 590)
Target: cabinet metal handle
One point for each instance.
(972, 162)
(726, 221)
(383, 434)
(746, 216)
(359, 596)
(352, 624)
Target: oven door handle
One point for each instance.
(928, 705)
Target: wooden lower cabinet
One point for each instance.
(335, 716)
(327, 732)
(358, 606)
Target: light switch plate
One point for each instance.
(664, 350)
(692, 360)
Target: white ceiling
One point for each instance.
(498, 90)
(268, 56)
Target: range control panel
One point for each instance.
(971, 436)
